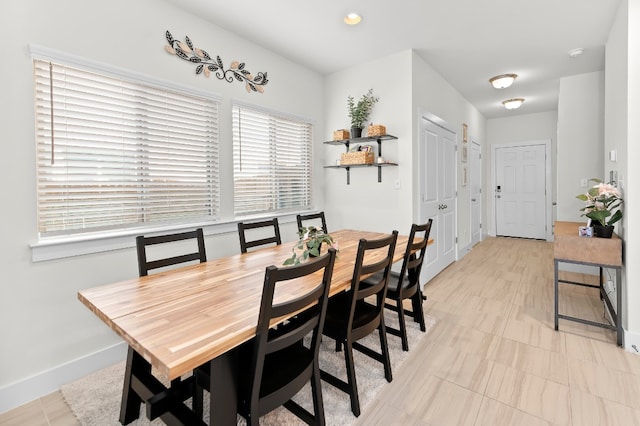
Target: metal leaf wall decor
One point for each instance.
(206, 65)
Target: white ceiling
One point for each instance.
(466, 41)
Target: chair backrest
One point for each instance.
(245, 226)
(301, 218)
(293, 332)
(414, 255)
(145, 265)
(378, 255)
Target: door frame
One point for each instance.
(474, 141)
(548, 184)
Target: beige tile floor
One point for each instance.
(493, 358)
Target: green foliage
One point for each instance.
(309, 244)
(359, 112)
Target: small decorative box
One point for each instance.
(357, 157)
(376, 130)
(340, 135)
(585, 231)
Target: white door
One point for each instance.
(520, 191)
(475, 189)
(438, 196)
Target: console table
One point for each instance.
(569, 247)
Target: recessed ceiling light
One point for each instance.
(576, 52)
(513, 103)
(502, 81)
(352, 19)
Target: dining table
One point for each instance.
(177, 320)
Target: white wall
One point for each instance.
(43, 326)
(632, 186)
(515, 130)
(622, 131)
(412, 88)
(580, 140)
(365, 203)
(432, 93)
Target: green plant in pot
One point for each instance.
(603, 204)
(359, 112)
(309, 243)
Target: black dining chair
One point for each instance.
(278, 363)
(405, 284)
(314, 219)
(134, 393)
(260, 226)
(358, 312)
(145, 265)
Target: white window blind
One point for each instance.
(113, 154)
(271, 162)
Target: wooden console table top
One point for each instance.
(598, 251)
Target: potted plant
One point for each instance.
(309, 244)
(602, 207)
(359, 112)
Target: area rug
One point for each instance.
(95, 399)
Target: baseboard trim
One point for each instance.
(632, 342)
(39, 385)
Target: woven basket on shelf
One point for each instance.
(376, 130)
(340, 135)
(357, 157)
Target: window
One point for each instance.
(271, 162)
(115, 153)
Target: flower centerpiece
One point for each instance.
(602, 204)
(309, 244)
(359, 112)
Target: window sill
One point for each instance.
(63, 247)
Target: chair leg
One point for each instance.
(351, 378)
(403, 325)
(418, 313)
(385, 351)
(316, 391)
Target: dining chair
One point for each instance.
(275, 365)
(133, 393)
(246, 244)
(406, 283)
(145, 265)
(312, 217)
(358, 312)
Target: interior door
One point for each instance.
(475, 189)
(520, 194)
(438, 196)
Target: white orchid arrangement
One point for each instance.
(603, 201)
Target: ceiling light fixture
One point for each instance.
(352, 19)
(502, 81)
(576, 52)
(513, 103)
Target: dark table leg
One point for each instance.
(223, 386)
(130, 405)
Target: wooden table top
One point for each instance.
(568, 245)
(182, 318)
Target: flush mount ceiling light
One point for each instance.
(352, 19)
(576, 52)
(513, 103)
(502, 81)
